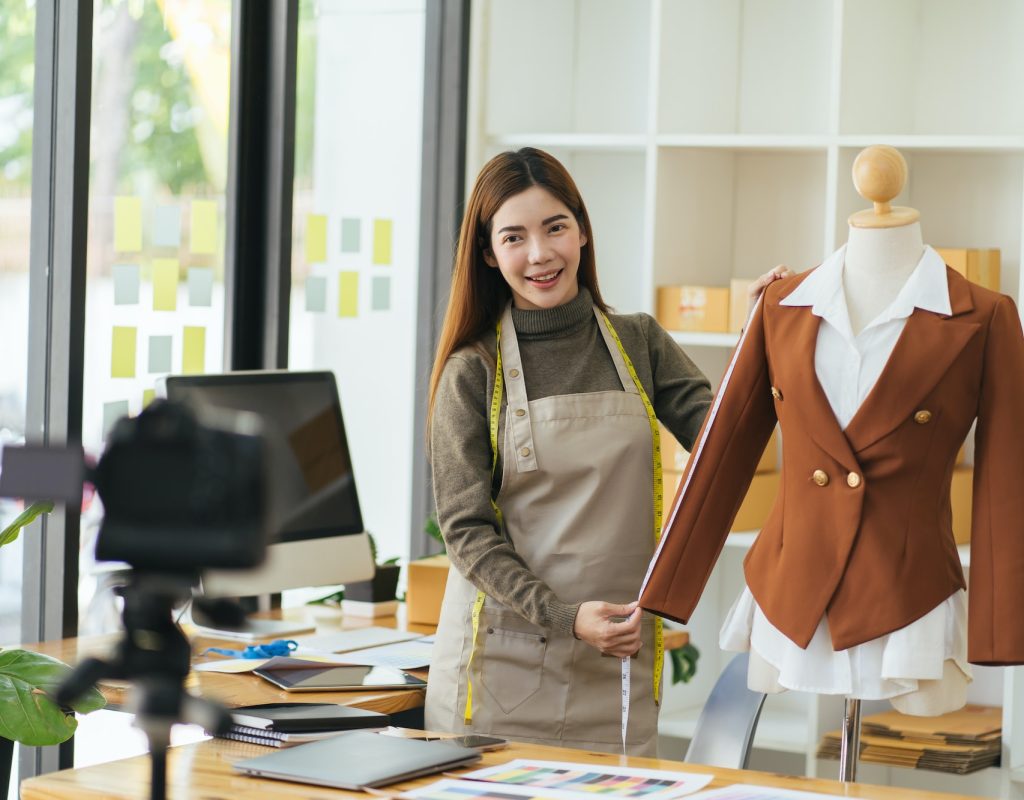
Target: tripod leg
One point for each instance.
(6, 764)
(849, 746)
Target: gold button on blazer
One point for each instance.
(874, 551)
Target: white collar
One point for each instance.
(927, 288)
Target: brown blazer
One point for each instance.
(873, 547)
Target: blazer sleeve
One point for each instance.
(715, 481)
(995, 624)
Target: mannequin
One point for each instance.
(875, 364)
(884, 249)
(884, 244)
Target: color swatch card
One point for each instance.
(593, 779)
(450, 789)
(741, 791)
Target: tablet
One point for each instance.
(340, 678)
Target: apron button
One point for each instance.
(520, 412)
(543, 639)
(490, 630)
(524, 452)
(513, 373)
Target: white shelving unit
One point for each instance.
(714, 139)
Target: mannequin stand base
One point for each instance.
(849, 745)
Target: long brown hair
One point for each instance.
(479, 292)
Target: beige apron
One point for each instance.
(576, 498)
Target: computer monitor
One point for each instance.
(319, 538)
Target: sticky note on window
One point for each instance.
(193, 357)
(112, 412)
(159, 354)
(165, 284)
(148, 396)
(167, 226)
(122, 352)
(127, 224)
(350, 235)
(382, 241)
(200, 286)
(203, 227)
(381, 294)
(316, 238)
(348, 294)
(316, 293)
(126, 284)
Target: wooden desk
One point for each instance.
(247, 689)
(244, 690)
(204, 770)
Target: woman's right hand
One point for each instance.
(600, 625)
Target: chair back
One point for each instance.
(725, 729)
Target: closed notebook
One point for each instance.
(357, 760)
(306, 717)
(242, 733)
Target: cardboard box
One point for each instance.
(770, 458)
(960, 493)
(673, 455)
(738, 303)
(694, 308)
(980, 266)
(670, 485)
(425, 591)
(758, 502)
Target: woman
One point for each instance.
(543, 480)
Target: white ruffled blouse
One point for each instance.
(922, 668)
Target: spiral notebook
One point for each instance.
(357, 760)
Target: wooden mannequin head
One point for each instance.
(879, 174)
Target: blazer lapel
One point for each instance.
(795, 335)
(926, 349)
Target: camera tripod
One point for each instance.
(154, 655)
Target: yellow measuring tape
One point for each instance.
(499, 386)
(659, 499)
(478, 604)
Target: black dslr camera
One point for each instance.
(180, 496)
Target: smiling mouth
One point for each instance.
(547, 277)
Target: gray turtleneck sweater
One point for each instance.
(563, 352)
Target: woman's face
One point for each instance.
(535, 242)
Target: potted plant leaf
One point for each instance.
(29, 681)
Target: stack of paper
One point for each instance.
(962, 741)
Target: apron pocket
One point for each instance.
(512, 664)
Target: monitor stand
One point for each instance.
(248, 629)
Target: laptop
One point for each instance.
(357, 760)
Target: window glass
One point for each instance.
(17, 21)
(158, 171)
(355, 235)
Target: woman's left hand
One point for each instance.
(756, 287)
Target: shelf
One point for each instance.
(569, 68)
(742, 141)
(572, 141)
(704, 339)
(741, 540)
(909, 141)
(779, 730)
(934, 66)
